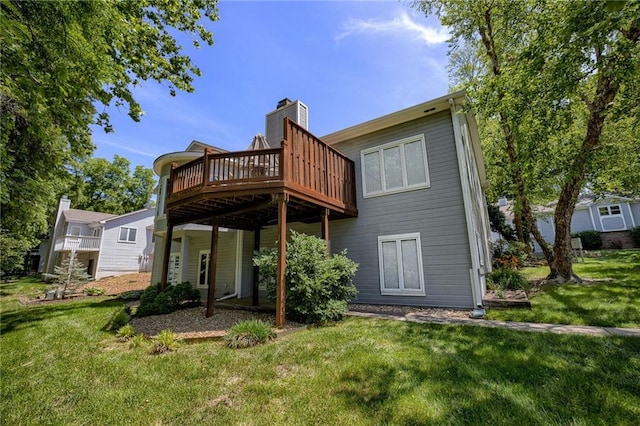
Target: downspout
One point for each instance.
(476, 288)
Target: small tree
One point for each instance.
(317, 285)
(70, 274)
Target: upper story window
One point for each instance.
(127, 235)
(74, 231)
(395, 167)
(610, 210)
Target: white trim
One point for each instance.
(405, 185)
(476, 285)
(401, 291)
(162, 196)
(612, 215)
(206, 272)
(127, 240)
(238, 274)
(633, 221)
(593, 222)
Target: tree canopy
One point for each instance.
(556, 88)
(110, 187)
(63, 65)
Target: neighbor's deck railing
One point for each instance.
(302, 160)
(69, 242)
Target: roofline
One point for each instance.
(412, 113)
(172, 157)
(126, 214)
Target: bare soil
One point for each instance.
(119, 284)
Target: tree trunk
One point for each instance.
(561, 268)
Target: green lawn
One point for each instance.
(59, 367)
(613, 300)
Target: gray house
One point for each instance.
(403, 194)
(612, 216)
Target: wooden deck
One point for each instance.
(240, 189)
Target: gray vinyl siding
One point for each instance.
(635, 211)
(246, 287)
(437, 213)
(226, 265)
(581, 221)
(122, 257)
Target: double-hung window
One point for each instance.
(400, 260)
(127, 235)
(395, 167)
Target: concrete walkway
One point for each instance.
(522, 326)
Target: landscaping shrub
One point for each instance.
(635, 235)
(591, 240)
(156, 302)
(94, 291)
(166, 341)
(506, 279)
(249, 333)
(508, 254)
(124, 333)
(119, 318)
(318, 286)
(131, 295)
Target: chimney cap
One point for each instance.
(284, 102)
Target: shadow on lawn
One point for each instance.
(478, 375)
(28, 316)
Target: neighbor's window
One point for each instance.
(127, 235)
(610, 210)
(395, 167)
(400, 263)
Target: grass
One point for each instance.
(613, 300)
(60, 367)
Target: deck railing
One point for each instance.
(302, 159)
(70, 242)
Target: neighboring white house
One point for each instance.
(612, 216)
(106, 244)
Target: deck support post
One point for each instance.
(166, 255)
(282, 262)
(256, 269)
(213, 262)
(325, 229)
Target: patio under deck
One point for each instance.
(305, 180)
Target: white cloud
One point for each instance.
(124, 147)
(400, 24)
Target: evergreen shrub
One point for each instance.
(635, 235)
(591, 240)
(156, 302)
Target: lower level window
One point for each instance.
(203, 268)
(400, 262)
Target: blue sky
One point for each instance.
(347, 61)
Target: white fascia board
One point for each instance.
(412, 113)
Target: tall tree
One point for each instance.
(60, 60)
(109, 187)
(553, 74)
